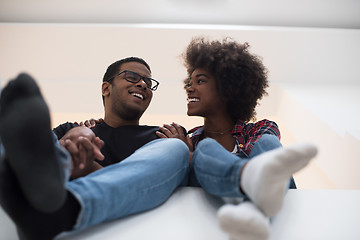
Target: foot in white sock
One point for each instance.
(265, 178)
(244, 221)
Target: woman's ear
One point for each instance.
(105, 89)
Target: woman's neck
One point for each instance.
(220, 129)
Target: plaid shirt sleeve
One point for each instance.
(252, 133)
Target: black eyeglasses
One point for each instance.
(134, 77)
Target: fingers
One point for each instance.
(86, 144)
(91, 122)
(91, 149)
(86, 149)
(169, 130)
(98, 144)
(178, 128)
(88, 124)
(160, 134)
(76, 132)
(73, 149)
(83, 152)
(62, 142)
(173, 130)
(99, 120)
(82, 156)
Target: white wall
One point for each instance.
(69, 60)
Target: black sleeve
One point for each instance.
(63, 128)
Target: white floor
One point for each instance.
(190, 214)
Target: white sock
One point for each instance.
(265, 178)
(243, 221)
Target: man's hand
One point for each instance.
(84, 148)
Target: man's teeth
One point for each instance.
(138, 95)
(193, 99)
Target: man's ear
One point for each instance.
(105, 89)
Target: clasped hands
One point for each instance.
(84, 147)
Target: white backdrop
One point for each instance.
(69, 60)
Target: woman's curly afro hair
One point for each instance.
(241, 77)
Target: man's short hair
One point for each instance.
(113, 69)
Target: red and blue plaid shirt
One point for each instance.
(245, 134)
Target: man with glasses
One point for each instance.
(143, 171)
(127, 91)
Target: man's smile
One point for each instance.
(138, 95)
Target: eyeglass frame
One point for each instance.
(154, 88)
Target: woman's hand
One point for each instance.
(174, 130)
(91, 122)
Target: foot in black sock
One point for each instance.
(26, 134)
(32, 224)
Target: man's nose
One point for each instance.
(141, 84)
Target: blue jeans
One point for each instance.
(141, 182)
(217, 170)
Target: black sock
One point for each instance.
(31, 223)
(27, 138)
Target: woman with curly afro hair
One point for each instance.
(232, 157)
